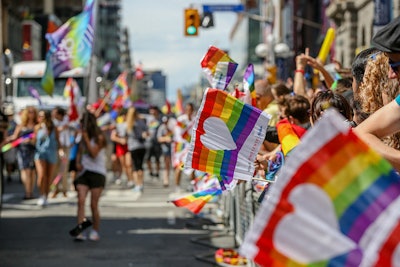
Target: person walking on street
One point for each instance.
(61, 121)
(164, 137)
(26, 150)
(91, 165)
(118, 136)
(153, 146)
(184, 125)
(46, 140)
(136, 134)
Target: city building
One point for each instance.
(109, 33)
(356, 22)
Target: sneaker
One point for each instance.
(41, 201)
(94, 235)
(138, 188)
(80, 227)
(80, 237)
(130, 184)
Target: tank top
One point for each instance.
(97, 164)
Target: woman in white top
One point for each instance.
(91, 166)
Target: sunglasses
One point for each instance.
(394, 65)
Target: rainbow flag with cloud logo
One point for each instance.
(218, 67)
(70, 46)
(196, 201)
(226, 137)
(336, 203)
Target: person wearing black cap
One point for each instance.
(385, 121)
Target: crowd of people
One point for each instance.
(55, 155)
(75, 153)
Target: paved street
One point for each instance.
(135, 230)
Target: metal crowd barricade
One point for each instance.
(237, 209)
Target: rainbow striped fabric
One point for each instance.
(289, 135)
(70, 46)
(179, 103)
(218, 67)
(196, 201)
(248, 85)
(120, 86)
(16, 142)
(336, 203)
(226, 137)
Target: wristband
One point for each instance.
(301, 71)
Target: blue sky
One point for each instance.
(157, 39)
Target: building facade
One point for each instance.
(354, 20)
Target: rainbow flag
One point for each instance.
(289, 135)
(248, 86)
(196, 201)
(179, 152)
(226, 137)
(178, 109)
(120, 86)
(218, 67)
(16, 142)
(70, 46)
(336, 203)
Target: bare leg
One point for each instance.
(26, 178)
(140, 177)
(167, 170)
(127, 161)
(178, 173)
(94, 205)
(48, 177)
(82, 193)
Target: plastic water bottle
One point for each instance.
(171, 218)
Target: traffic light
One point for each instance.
(192, 22)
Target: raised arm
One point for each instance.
(381, 123)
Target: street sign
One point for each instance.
(223, 8)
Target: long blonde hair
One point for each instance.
(25, 115)
(131, 117)
(374, 84)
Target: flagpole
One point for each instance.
(91, 63)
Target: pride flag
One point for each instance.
(196, 201)
(179, 103)
(70, 46)
(73, 92)
(226, 137)
(16, 142)
(336, 203)
(248, 86)
(218, 67)
(289, 135)
(120, 86)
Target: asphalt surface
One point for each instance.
(136, 230)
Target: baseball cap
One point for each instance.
(387, 39)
